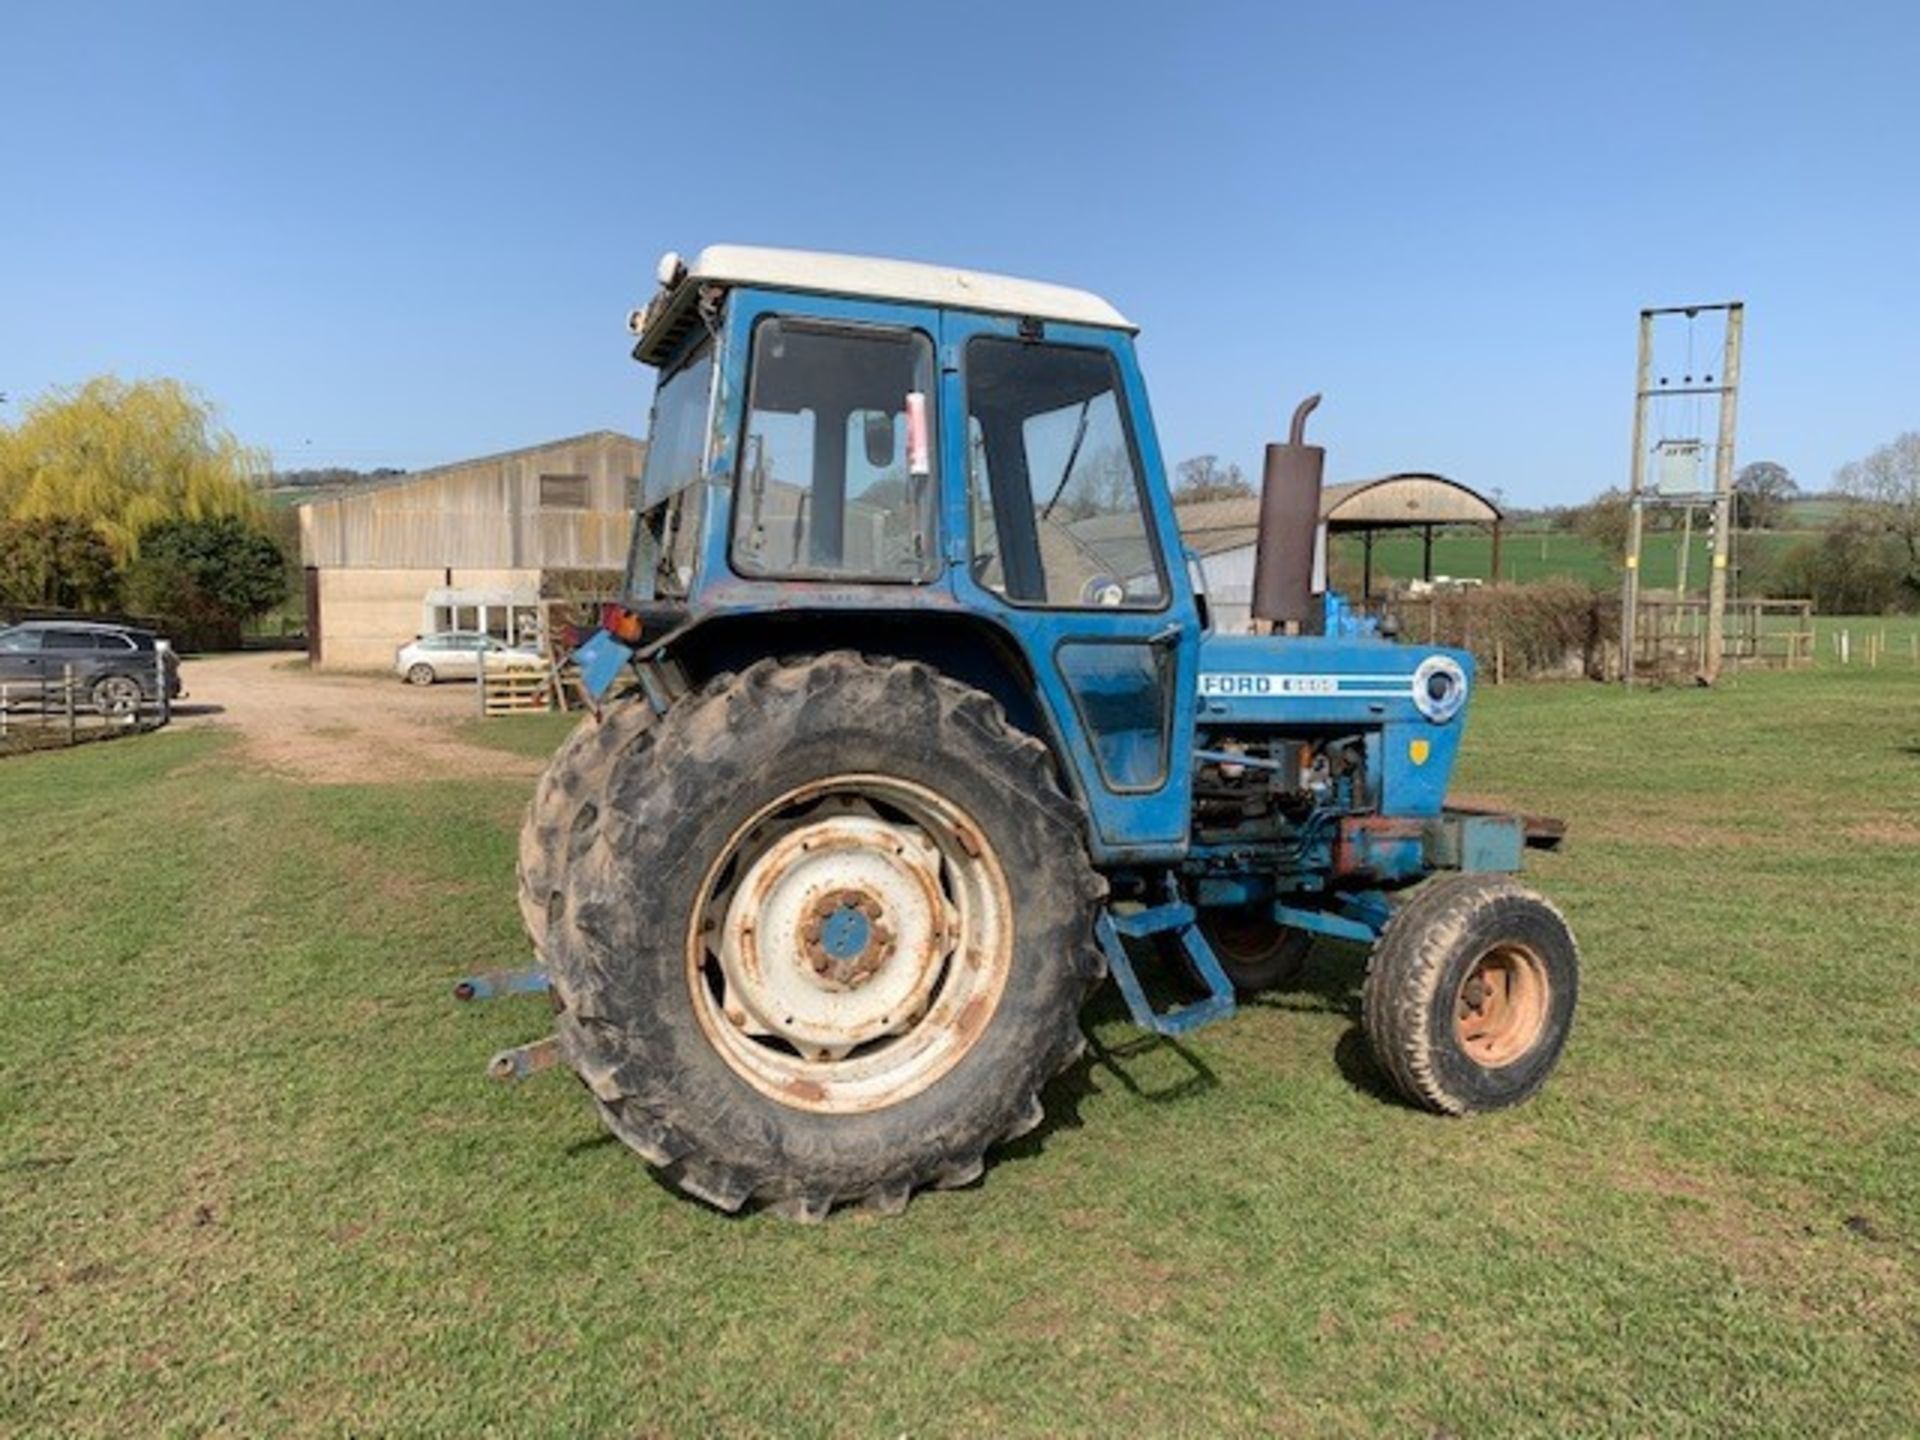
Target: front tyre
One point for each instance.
(1470, 993)
(420, 673)
(824, 937)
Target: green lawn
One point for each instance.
(252, 1180)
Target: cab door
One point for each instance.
(1059, 528)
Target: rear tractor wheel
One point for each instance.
(823, 937)
(1470, 993)
(564, 813)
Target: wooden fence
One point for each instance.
(52, 712)
(1553, 629)
(1870, 647)
(519, 688)
(1671, 636)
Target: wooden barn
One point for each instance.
(475, 545)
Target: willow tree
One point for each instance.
(125, 457)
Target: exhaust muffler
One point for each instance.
(1283, 561)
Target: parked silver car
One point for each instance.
(456, 656)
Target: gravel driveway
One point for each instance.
(328, 728)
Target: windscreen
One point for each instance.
(666, 532)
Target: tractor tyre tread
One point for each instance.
(731, 1151)
(576, 772)
(1422, 954)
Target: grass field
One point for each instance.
(1550, 555)
(252, 1180)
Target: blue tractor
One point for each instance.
(914, 728)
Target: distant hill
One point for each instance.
(296, 487)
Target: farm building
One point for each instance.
(475, 545)
(1222, 533)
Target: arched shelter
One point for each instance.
(1411, 500)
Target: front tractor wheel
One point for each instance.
(1470, 993)
(822, 938)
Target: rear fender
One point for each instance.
(967, 648)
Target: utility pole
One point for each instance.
(1637, 497)
(1686, 552)
(1723, 493)
(1630, 574)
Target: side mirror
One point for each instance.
(879, 436)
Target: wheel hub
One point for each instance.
(1502, 1005)
(845, 941)
(851, 943)
(837, 933)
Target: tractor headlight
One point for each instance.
(1439, 688)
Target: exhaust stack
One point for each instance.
(1283, 562)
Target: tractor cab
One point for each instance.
(965, 461)
(963, 468)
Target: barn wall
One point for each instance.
(484, 514)
(1230, 588)
(367, 614)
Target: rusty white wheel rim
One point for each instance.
(850, 943)
(1501, 1006)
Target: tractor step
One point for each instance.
(1175, 918)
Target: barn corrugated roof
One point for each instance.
(1412, 497)
(434, 472)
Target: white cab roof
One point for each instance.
(901, 280)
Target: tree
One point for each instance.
(1605, 520)
(1884, 489)
(1204, 478)
(1761, 493)
(1102, 484)
(58, 562)
(1851, 568)
(213, 573)
(123, 458)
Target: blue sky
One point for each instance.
(403, 234)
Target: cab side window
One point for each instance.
(836, 475)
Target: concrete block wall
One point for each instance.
(365, 615)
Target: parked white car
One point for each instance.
(456, 656)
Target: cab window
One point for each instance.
(836, 473)
(1059, 515)
(661, 561)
